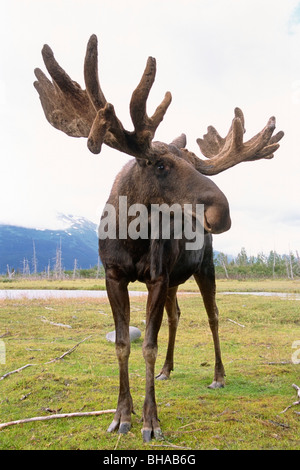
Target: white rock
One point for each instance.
(134, 334)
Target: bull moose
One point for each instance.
(158, 174)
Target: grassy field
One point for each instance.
(223, 285)
(246, 414)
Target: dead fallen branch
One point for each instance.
(270, 422)
(49, 362)
(45, 320)
(23, 397)
(281, 363)
(169, 444)
(68, 352)
(295, 402)
(236, 323)
(58, 416)
(8, 333)
(17, 370)
(117, 443)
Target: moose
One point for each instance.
(159, 173)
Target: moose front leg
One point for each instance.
(119, 300)
(157, 294)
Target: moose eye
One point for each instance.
(162, 169)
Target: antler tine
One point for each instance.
(268, 151)
(86, 113)
(212, 143)
(225, 153)
(91, 76)
(66, 106)
(59, 76)
(106, 127)
(145, 126)
(263, 145)
(140, 95)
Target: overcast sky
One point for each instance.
(213, 55)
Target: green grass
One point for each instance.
(243, 415)
(262, 285)
(63, 284)
(223, 285)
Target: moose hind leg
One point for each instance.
(119, 301)
(173, 312)
(206, 283)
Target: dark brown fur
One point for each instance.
(162, 265)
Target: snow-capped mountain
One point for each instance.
(77, 239)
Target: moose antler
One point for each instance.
(86, 113)
(223, 153)
(66, 106)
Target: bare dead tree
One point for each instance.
(291, 265)
(9, 272)
(58, 270)
(75, 269)
(26, 268)
(34, 258)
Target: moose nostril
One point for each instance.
(207, 225)
(217, 219)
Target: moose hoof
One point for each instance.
(216, 384)
(123, 428)
(162, 376)
(113, 425)
(148, 433)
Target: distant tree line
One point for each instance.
(243, 266)
(57, 272)
(54, 269)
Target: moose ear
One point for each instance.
(179, 142)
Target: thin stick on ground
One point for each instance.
(49, 362)
(17, 370)
(168, 444)
(117, 443)
(68, 352)
(295, 402)
(236, 323)
(44, 319)
(57, 416)
(281, 363)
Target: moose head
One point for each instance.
(160, 174)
